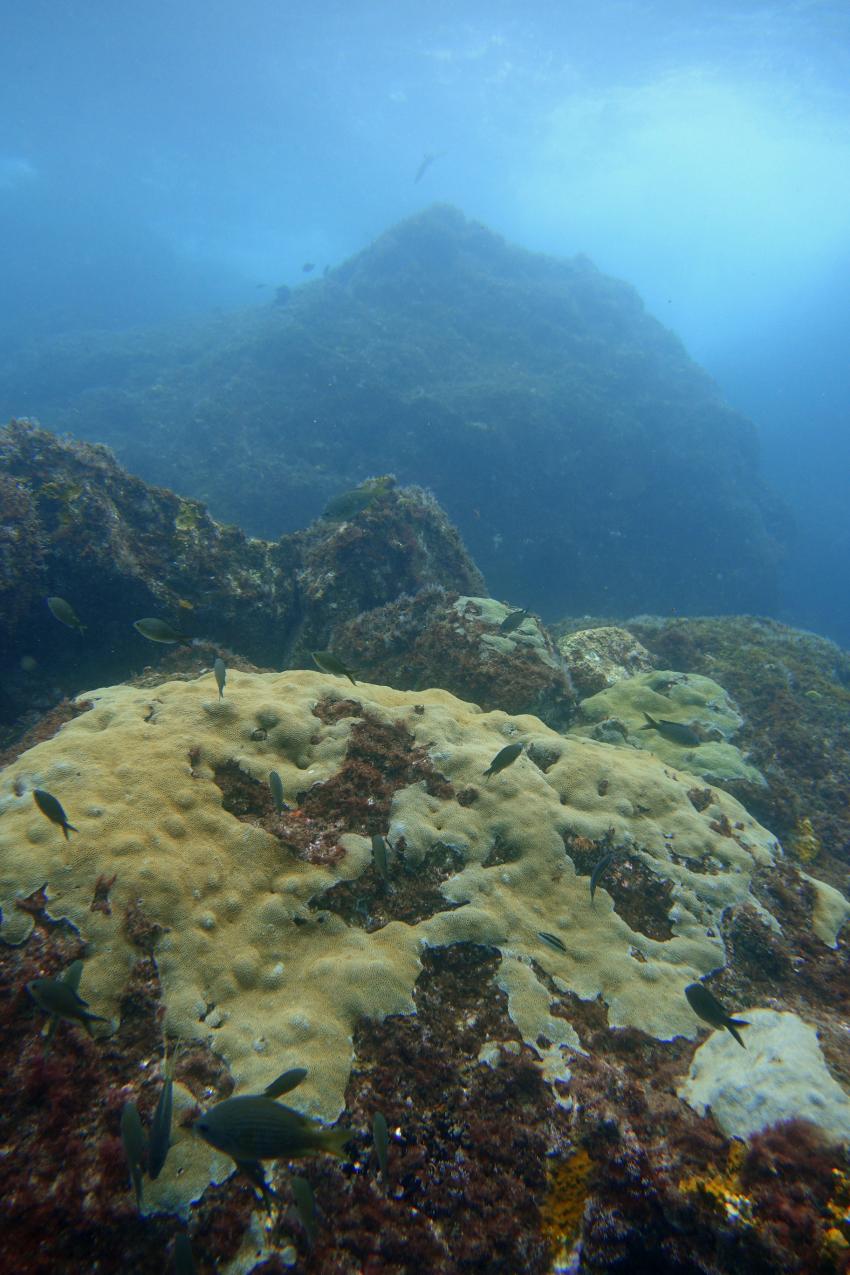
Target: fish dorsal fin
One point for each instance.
(287, 1081)
(72, 975)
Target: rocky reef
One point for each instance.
(435, 638)
(74, 523)
(541, 1072)
(792, 690)
(566, 433)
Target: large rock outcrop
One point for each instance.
(588, 463)
(74, 523)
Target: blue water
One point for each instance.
(159, 160)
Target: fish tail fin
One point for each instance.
(733, 1024)
(651, 723)
(335, 1140)
(351, 679)
(68, 827)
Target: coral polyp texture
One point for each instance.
(260, 935)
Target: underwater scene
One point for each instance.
(425, 638)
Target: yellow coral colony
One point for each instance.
(272, 983)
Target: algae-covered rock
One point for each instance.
(118, 549)
(435, 638)
(695, 718)
(793, 690)
(598, 658)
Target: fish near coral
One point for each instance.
(379, 856)
(276, 788)
(71, 976)
(60, 998)
(504, 758)
(286, 1082)
(381, 1141)
(328, 663)
(220, 672)
(305, 1202)
(52, 807)
(65, 614)
(598, 870)
(709, 1009)
(160, 631)
(255, 1127)
(676, 732)
(160, 1135)
(135, 1146)
(184, 1262)
(552, 940)
(513, 621)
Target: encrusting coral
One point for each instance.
(257, 951)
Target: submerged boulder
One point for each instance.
(435, 638)
(83, 528)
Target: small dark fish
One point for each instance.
(381, 1140)
(160, 631)
(286, 1082)
(379, 856)
(276, 786)
(329, 663)
(59, 996)
(52, 807)
(184, 1262)
(255, 1127)
(220, 671)
(552, 940)
(708, 1007)
(305, 1202)
(503, 759)
(598, 869)
(676, 732)
(71, 976)
(160, 1135)
(308, 266)
(65, 614)
(135, 1147)
(512, 621)
(426, 162)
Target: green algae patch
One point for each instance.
(695, 704)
